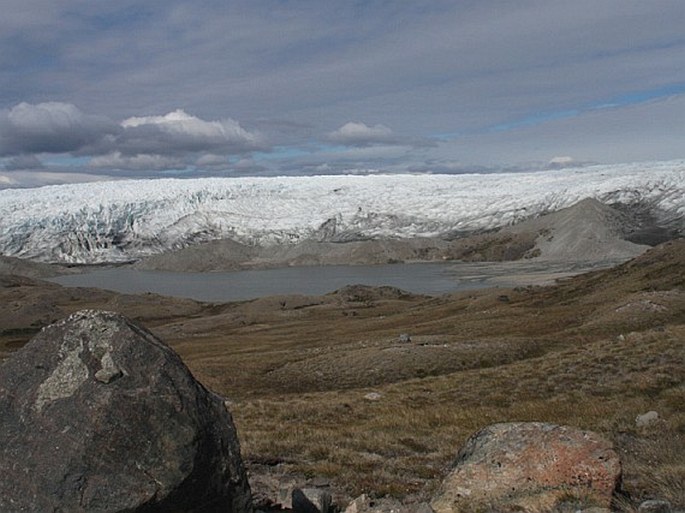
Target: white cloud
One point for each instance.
(360, 134)
(178, 132)
(182, 124)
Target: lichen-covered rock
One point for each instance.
(647, 419)
(530, 467)
(98, 415)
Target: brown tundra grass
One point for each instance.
(593, 351)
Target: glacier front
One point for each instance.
(126, 220)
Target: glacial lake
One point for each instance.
(423, 278)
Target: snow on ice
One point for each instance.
(125, 220)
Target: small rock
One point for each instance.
(357, 505)
(311, 500)
(107, 376)
(285, 496)
(404, 338)
(646, 419)
(654, 506)
(270, 491)
(109, 371)
(373, 396)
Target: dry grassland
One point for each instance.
(593, 351)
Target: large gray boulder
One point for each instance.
(98, 415)
(530, 466)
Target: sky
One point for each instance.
(94, 89)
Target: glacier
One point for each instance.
(119, 221)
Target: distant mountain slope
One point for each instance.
(127, 220)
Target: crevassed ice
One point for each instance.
(125, 220)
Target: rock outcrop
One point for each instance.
(97, 414)
(530, 467)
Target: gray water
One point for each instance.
(421, 278)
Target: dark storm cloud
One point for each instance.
(23, 163)
(51, 127)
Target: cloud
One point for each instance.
(6, 181)
(248, 166)
(561, 162)
(360, 134)
(51, 127)
(141, 162)
(449, 167)
(23, 162)
(212, 161)
(58, 128)
(497, 83)
(20, 179)
(180, 134)
(174, 141)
